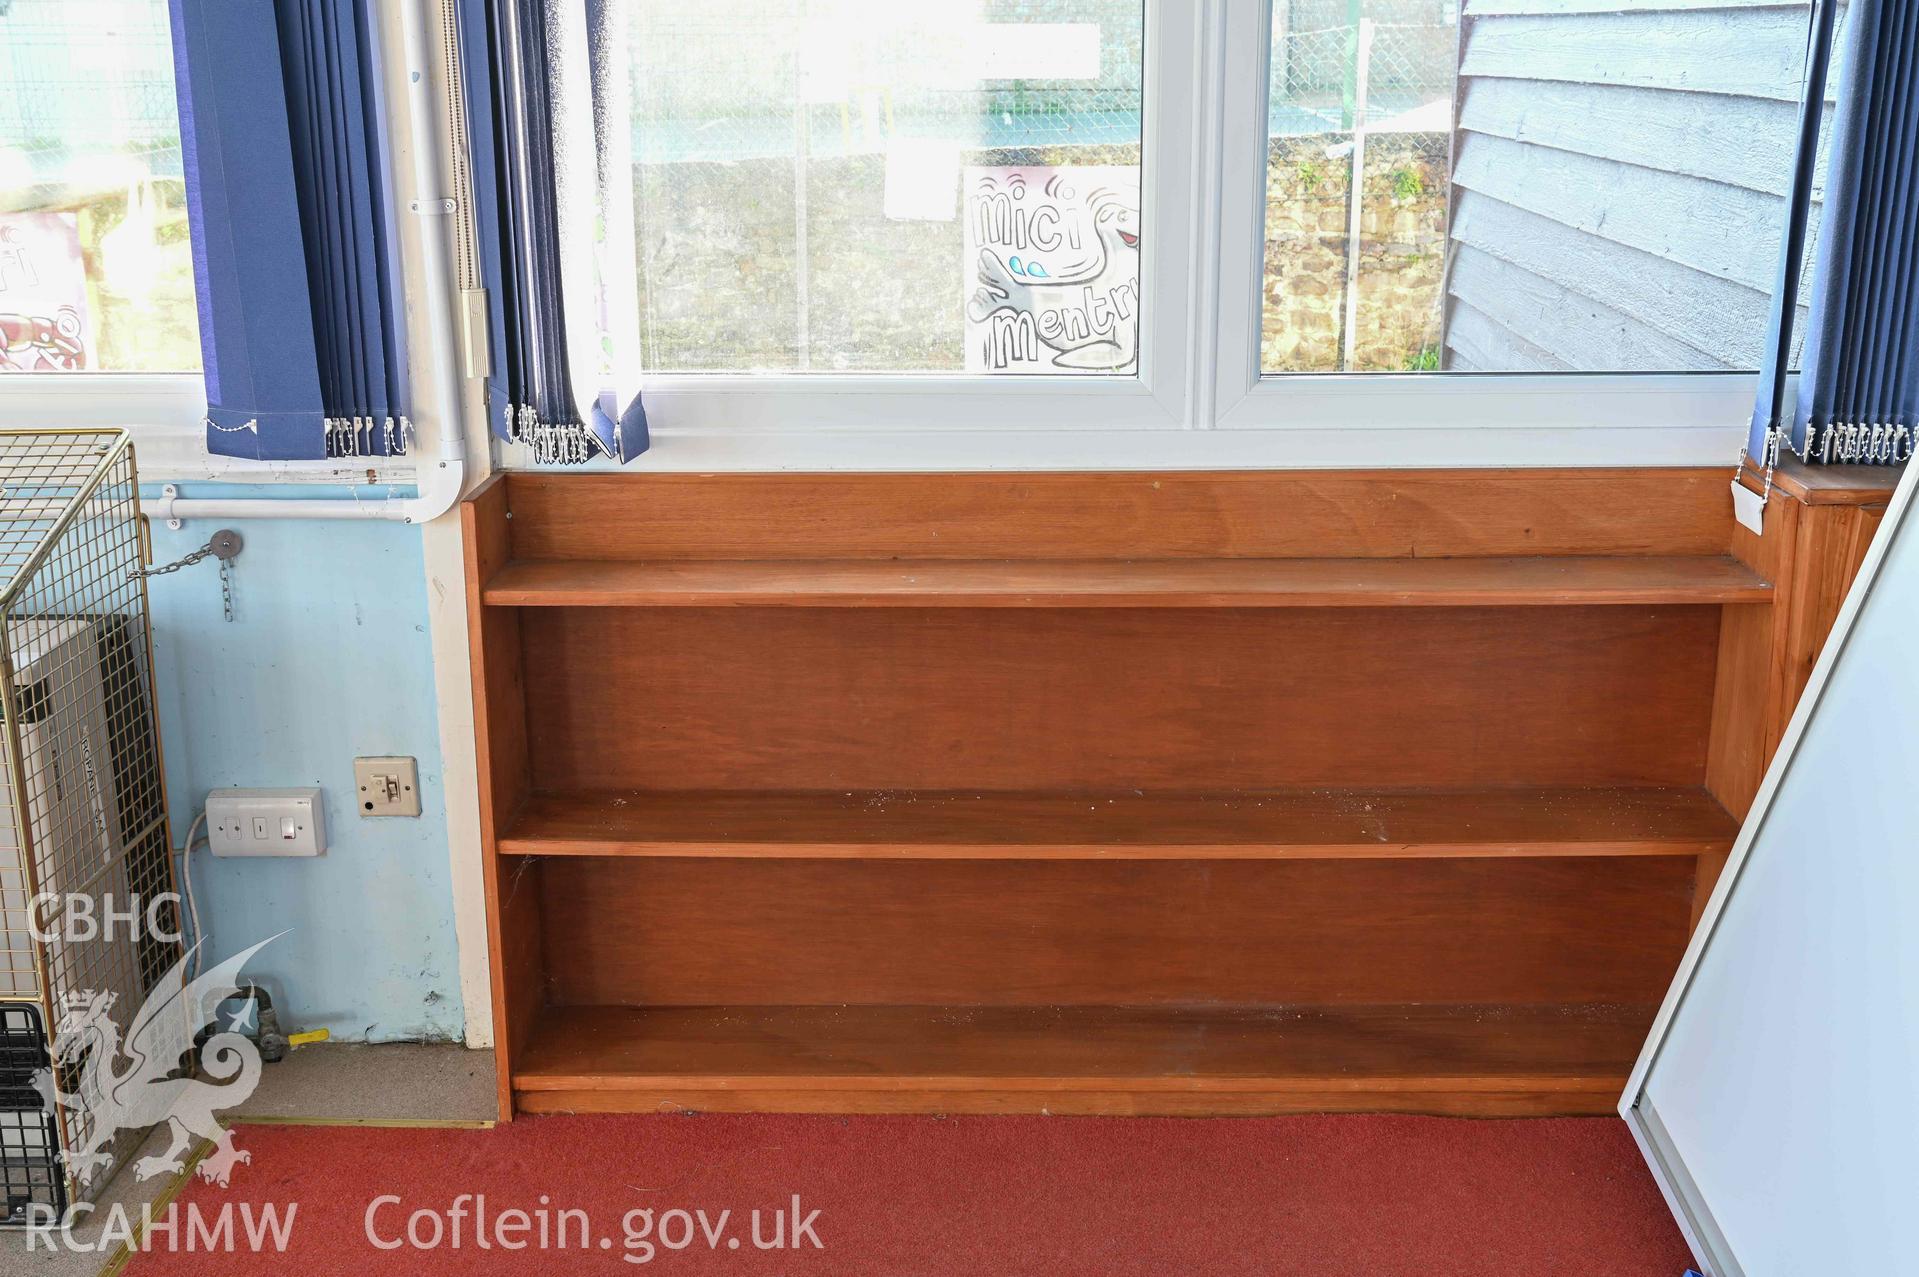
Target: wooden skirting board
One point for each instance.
(1181, 793)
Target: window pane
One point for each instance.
(95, 269)
(1549, 187)
(861, 186)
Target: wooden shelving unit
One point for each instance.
(1180, 793)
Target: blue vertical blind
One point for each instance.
(334, 105)
(256, 327)
(1858, 392)
(562, 381)
(295, 260)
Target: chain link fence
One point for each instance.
(850, 94)
(92, 197)
(1411, 61)
(83, 78)
(844, 77)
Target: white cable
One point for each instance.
(186, 881)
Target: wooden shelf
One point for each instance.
(1095, 583)
(1275, 825)
(1479, 1059)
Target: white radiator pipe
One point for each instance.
(441, 478)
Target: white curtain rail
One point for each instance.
(442, 479)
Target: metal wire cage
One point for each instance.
(87, 918)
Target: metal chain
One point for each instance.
(224, 545)
(185, 561)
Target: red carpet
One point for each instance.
(985, 1197)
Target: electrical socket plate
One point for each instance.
(387, 786)
(266, 822)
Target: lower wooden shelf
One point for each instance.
(1468, 1060)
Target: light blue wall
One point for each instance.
(327, 658)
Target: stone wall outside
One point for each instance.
(1401, 263)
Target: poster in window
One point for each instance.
(43, 294)
(1052, 269)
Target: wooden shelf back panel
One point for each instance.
(654, 932)
(1309, 824)
(1226, 699)
(1083, 1059)
(1251, 583)
(1179, 514)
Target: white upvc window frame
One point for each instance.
(1200, 399)
(166, 414)
(1528, 418)
(1155, 399)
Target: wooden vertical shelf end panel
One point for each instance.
(1818, 522)
(499, 714)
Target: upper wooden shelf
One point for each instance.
(1278, 824)
(1095, 583)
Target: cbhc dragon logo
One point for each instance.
(151, 1089)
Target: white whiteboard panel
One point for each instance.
(1779, 1096)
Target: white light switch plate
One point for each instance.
(387, 786)
(266, 822)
